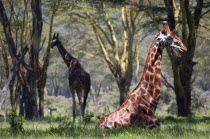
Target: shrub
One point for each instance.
(88, 116)
(16, 122)
(65, 123)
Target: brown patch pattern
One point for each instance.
(142, 101)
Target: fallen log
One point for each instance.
(11, 75)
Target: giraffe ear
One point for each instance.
(54, 35)
(57, 35)
(166, 27)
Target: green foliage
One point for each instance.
(88, 116)
(172, 109)
(16, 122)
(65, 123)
(106, 110)
(170, 118)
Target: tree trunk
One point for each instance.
(11, 90)
(12, 47)
(22, 101)
(41, 101)
(181, 105)
(124, 89)
(7, 31)
(32, 77)
(43, 68)
(183, 71)
(56, 91)
(17, 94)
(23, 92)
(40, 86)
(185, 76)
(31, 101)
(120, 63)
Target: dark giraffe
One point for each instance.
(79, 79)
(141, 103)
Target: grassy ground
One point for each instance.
(60, 127)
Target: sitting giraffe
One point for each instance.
(79, 79)
(141, 103)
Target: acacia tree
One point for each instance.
(43, 67)
(118, 53)
(11, 46)
(32, 75)
(5, 58)
(183, 68)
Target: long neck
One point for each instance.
(65, 55)
(151, 77)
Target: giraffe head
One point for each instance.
(55, 40)
(168, 39)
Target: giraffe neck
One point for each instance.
(142, 101)
(151, 77)
(67, 57)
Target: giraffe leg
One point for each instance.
(153, 123)
(150, 121)
(84, 101)
(73, 104)
(79, 94)
(84, 105)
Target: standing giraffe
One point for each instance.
(79, 79)
(141, 103)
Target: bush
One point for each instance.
(16, 122)
(88, 116)
(65, 123)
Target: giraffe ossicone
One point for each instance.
(141, 102)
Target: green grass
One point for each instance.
(58, 127)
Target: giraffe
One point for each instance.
(79, 79)
(142, 101)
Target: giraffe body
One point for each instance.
(79, 79)
(141, 103)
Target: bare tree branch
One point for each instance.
(11, 75)
(100, 28)
(206, 12)
(102, 45)
(6, 63)
(84, 52)
(42, 44)
(198, 12)
(138, 22)
(153, 17)
(184, 22)
(204, 26)
(23, 26)
(125, 36)
(113, 38)
(7, 30)
(167, 84)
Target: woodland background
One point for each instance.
(110, 39)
